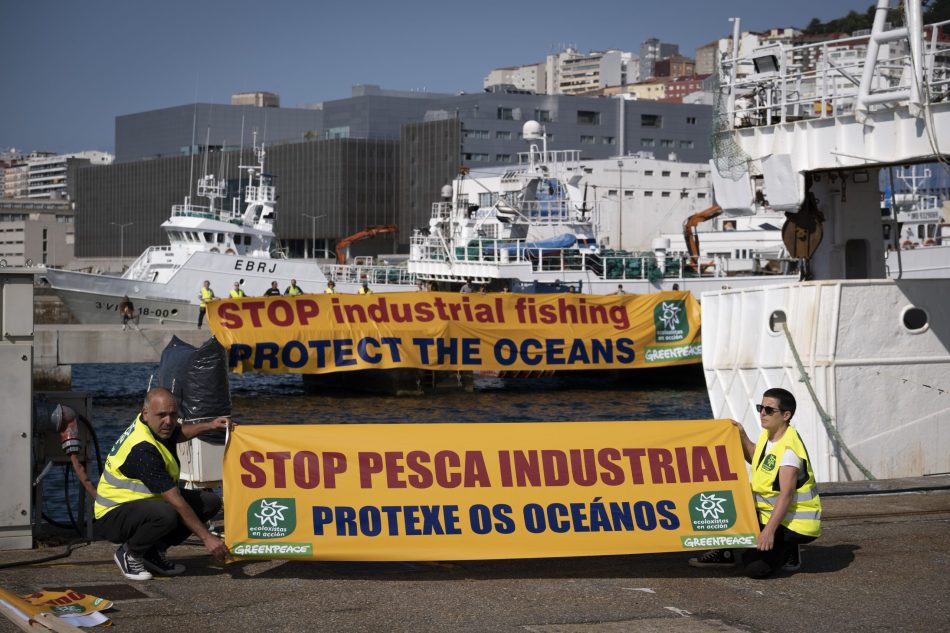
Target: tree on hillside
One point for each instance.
(934, 11)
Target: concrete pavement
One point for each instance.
(881, 565)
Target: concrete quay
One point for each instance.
(880, 565)
(58, 346)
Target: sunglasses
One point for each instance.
(768, 410)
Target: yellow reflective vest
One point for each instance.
(115, 488)
(804, 511)
(364, 291)
(330, 291)
(207, 294)
(237, 294)
(293, 291)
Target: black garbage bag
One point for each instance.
(173, 368)
(198, 377)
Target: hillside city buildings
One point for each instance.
(382, 156)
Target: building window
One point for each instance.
(666, 142)
(476, 157)
(651, 120)
(647, 194)
(542, 116)
(503, 136)
(506, 114)
(588, 140)
(686, 144)
(337, 132)
(701, 194)
(665, 174)
(684, 174)
(690, 120)
(477, 134)
(684, 194)
(588, 117)
(665, 194)
(647, 142)
(609, 140)
(701, 174)
(502, 158)
(648, 172)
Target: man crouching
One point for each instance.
(138, 501)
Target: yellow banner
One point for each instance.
(451, 331)
(477, 491)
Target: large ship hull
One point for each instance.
(878, 356)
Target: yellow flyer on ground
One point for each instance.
(413, 492)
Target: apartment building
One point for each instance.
(47, 175)
(37, 232)
(530, 77)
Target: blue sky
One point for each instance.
(72, 66)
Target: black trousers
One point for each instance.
(153, 522)
(201, 315)
(759, 564)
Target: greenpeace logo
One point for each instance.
(680, 352)
(289, 550)
(707, 542)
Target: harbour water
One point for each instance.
(117, 391)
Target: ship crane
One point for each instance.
(371, 231)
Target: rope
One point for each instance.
(826, 419)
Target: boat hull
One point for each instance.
(95, 298)
(878, 379)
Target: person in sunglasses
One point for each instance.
(783, 486)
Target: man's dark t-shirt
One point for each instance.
(145, 463)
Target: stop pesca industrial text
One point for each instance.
(532, 468)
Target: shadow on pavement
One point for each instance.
(816, 559)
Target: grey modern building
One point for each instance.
(377, 157)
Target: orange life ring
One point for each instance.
(907, 245)
(230, 251)
(214, 249)
(930, 243)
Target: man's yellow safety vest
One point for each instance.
(207, 294)
(114, 488)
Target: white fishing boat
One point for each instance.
(219, 245)
(865, 351)
(534, 228)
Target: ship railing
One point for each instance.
(193, 211)
(779, 84)
(547, 211)
(601, 264)
(260, 193)
(145, 259)
(378, 275)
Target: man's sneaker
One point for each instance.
(715, 558)
(156, 563)
(131, 565)
(793, 561)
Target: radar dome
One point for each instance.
(447, 192)
(532, 130)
